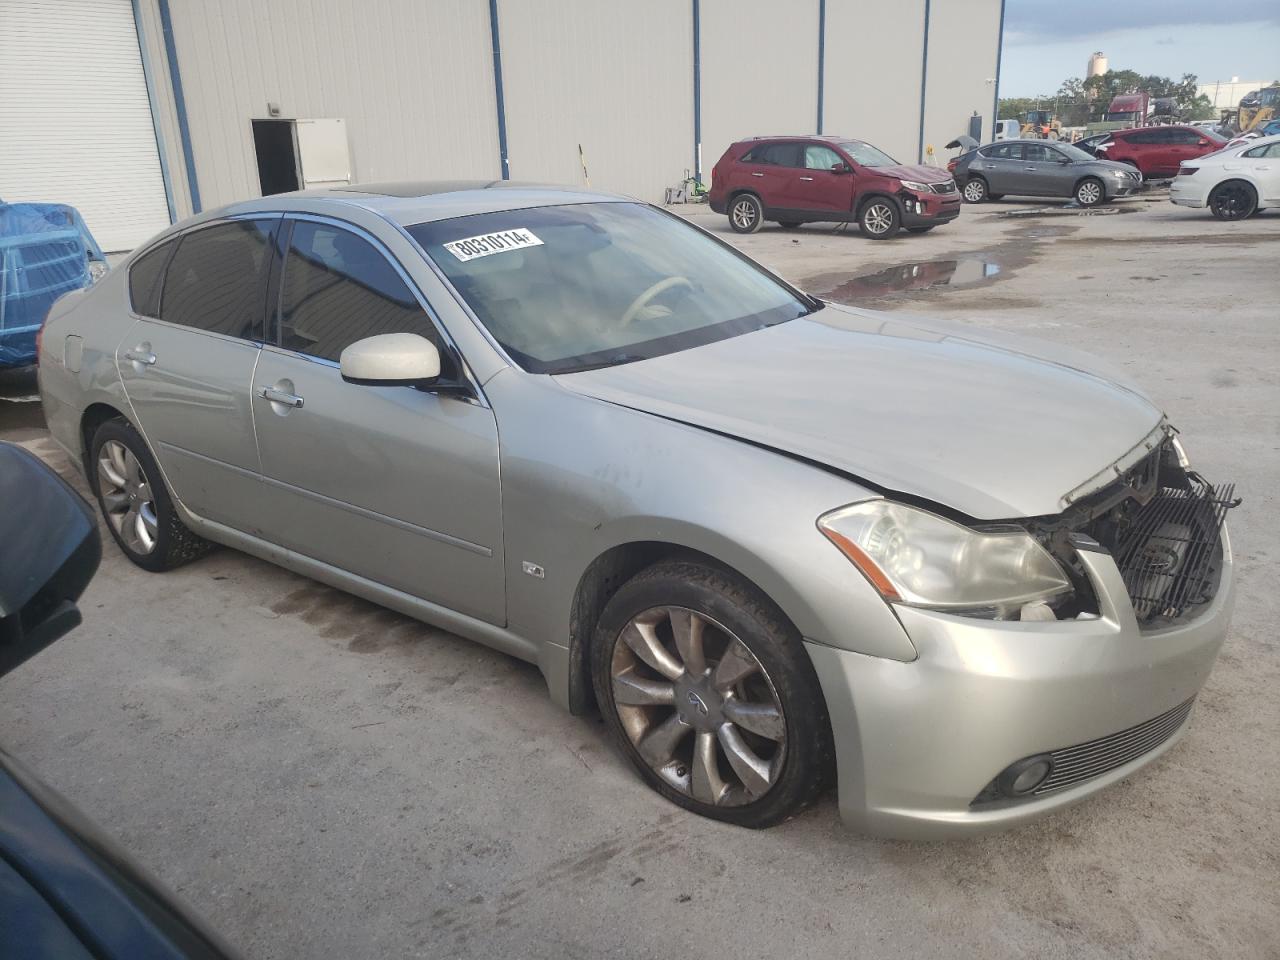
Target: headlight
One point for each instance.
(921, 559)
(1120, 173)
(1180, 452)
(912, 185)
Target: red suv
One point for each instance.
(1157, 151)
(795, 180)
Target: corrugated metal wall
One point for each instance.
(963, 40)
(414, 82)
(613, 77)
(872, 88)
(759, 71)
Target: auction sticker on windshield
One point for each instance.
(490, 243)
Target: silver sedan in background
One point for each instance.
(773, 540)
(1041, 168)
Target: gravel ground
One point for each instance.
(319, 777)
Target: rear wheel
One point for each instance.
(746, 213)
(134, 502)
(1233, 200)
(879, 218)
(1090, 192)
(975, 190)
(707, 690)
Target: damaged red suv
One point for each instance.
(795, 180)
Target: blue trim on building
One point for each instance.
(180, 104)
(697, 91)
(822, 55)
(151, 105)
(924, 80)
(504, 157)
(995, 101)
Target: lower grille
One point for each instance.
(1168, 553)
(1084, 761)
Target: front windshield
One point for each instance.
(1075, 153)
(867, 155)
(587, 285)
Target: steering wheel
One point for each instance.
(640, 302)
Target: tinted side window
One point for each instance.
(754, 155)
(217, 279)
(1271, 150)
(338, 288)
(779, 154)
(1039, 152)
(144, 280)
(1184, 138)
(1147, 136)
(820, 158)
(1003, 151)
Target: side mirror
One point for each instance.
(49, 551)
(840, 168)
(390, 359)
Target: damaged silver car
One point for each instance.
(774, 541)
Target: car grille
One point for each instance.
(948, 187)
(1072, 765)
(1168, 552)
(1069, 766)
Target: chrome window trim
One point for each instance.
(479, 399)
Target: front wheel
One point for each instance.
(975, 190)
(1233, 200)
(879, 218)
(707, 691)
(1090, 192)
(746, 213)
(134, 502)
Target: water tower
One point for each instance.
(1097, 65)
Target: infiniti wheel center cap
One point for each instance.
(698, 704)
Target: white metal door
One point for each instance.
(75, 121)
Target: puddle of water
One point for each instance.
(920, 275)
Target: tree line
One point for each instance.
(1080, 102)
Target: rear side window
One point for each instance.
(217, 279)
(1271, 150)
(338, 288)
(1146, 136)
(1003, 151)
(775, 154)
(1185, 138)
(144, 280)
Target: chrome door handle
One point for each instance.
(280, 396)
(757, 174)
(141, 356)
(806, 178)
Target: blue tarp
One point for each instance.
(45, 250)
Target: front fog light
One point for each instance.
(1024, 776)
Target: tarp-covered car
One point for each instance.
(45, 251)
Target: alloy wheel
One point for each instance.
(1088, 193)
(127, 499)
(1232, 202)
(744, 214)
(878, 218)
(974, 192)
(698, 707)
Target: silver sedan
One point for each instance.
(774, 541)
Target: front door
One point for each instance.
(187, 369)
(1045, 171)
(392, 483)
(817, 188)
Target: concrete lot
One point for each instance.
(321, 778)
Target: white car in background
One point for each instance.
(1234, 183)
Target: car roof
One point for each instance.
(408, 202)
(824, 137)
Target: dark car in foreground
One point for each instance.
(795, 180)
(66, 891)
(1036, 168)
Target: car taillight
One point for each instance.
(951, 166)
(1187, 171)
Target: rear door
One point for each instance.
(816, 188)
(772, 169)
(999, 166)
(395, 484)
(188, 361)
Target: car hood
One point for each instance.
(990, 426)
(1103, 164)
(916, 172)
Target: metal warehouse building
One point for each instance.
(139, 112)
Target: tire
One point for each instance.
(921, 229)
(974, 190)
(789, 225)
(682, 706)
(147, 530)
(1233, 200)
(1090, 192)
(879, 218)
(746, 213)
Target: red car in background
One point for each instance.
(1157, 151)
(795, 180)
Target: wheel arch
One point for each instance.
(877, 194)
(94, 416)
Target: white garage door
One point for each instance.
(75, 123)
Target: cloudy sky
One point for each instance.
(1046, 41)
